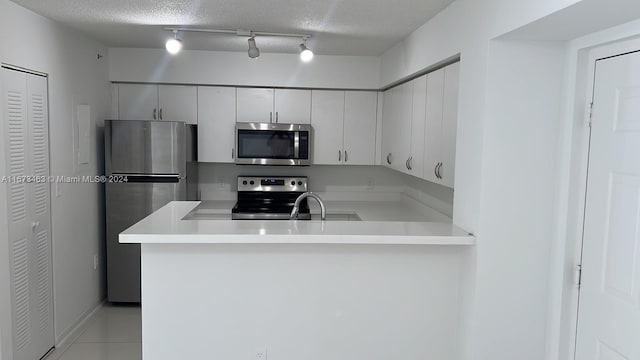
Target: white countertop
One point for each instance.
(384, 223)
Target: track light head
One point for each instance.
(306, 54)
(174, 45)
(253, 52)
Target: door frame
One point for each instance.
(585, 84)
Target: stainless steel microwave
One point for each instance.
(273, 144)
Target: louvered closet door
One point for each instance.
(42, 304)
(26, 151)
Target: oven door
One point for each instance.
(273, 144)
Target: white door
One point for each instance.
(292, 106)
(609, 310)
(138, 102)
(178, 103)
(327, 113)
(216, 124)
(255, 105)
(360, 111)
(27, 150)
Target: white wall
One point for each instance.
(236, 68)
(511, 127)
(76, 77)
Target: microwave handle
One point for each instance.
(296, 145)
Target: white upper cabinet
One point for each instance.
(396, 126)
(418, 109)
(360, 110)
(255, 105)
(178, 103)
(284, 106)
(137, 102)
(433, 129)
(344, 125)
(292, 106)
(449, 124)
(327, 114)
(419, 121)
(153, 102)
(216, 125)
(441, 125)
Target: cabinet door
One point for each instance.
(449, 124)
(216, 125)
(255, 105)
(327, 113)
(178, 103)
(360, 110)
(416, 156)
(137, 102)
(433, 128)
(292, 106)
(396, 124)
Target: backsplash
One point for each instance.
(332, 182)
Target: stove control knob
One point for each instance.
(244, 182)
(293, 183)
(300, 183)
(251, 182)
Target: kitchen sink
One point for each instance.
(338, 217)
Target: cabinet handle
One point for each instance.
(439, 169)
(270, 116)
(410, 162)
(389, 159)
(34, 225)
(160, 114)
(346, 156)
(233, 153)
(154, 113)
(339, 155)
(276, 117)
(435, 171)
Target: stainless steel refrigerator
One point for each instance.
(157, 159)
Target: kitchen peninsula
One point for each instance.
(233, 289)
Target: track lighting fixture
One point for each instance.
(306, 54)
(253, 52)
(174, 45)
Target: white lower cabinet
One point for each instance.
(26, 138)
(216, 125)
(344, 127)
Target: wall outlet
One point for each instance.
(221, 181)
(95, 261)
(260, 354)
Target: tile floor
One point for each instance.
(114, 333)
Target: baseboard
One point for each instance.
(75, 330)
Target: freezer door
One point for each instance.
(128, 203)
(145, 147)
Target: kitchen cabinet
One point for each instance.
(396, 126)
(216, 125)
(441, 125)
(157, 102)
(284, 106)
(344, 124)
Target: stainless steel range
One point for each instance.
(269, 198)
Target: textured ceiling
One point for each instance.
(338, 27)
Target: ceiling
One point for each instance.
(338, 27)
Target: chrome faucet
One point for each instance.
(296, 206)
